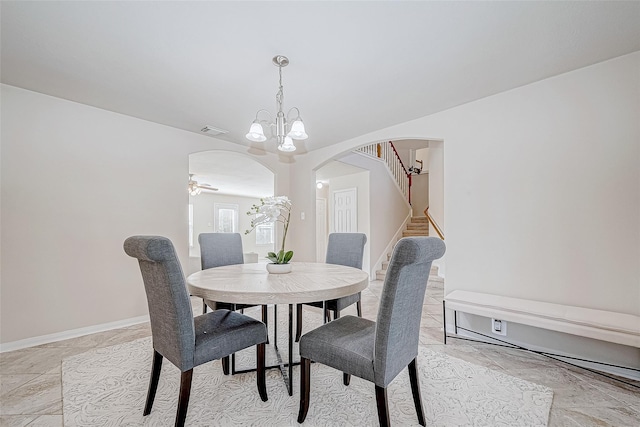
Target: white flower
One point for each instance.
(270, 210)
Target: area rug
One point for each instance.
(108, 386)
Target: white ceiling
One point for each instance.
(355, 66)
(335, 169)
(231, 173)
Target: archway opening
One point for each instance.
(223, 187)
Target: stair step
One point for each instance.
(418, 226)
(419, 219)
(411, 233)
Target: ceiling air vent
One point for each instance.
(213, 131)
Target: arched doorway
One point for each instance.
(387, 209)
(224, 186)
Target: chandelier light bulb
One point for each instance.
(256, 133)
(287, 146)
(297, 130)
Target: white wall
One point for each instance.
(322, 228)
(422, 155)
(419, 193)
(76, 181)
(541, 188)
(435, 166)
(436, 197)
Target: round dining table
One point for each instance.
(252, 284)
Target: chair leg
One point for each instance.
(275, 326)
(415, 390)
(336, 314)
(185, 392)
(262, 384)
(359, 308)
(204, 307)
(156, 366)
(265, 320)
(298, 322)
(305, 377)
(383, 407)
(346, 378)
(225, 365)
(233, 363)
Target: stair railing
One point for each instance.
(432, 222)
(386, 152)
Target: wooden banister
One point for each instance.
(406, 172)
(399, 159)
(432, 222)
(386, 152)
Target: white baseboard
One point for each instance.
(73, 333)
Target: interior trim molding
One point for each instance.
(72, 333)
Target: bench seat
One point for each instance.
(602, 325)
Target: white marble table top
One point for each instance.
(252, 284)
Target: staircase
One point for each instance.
(419, 226)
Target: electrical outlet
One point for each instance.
(499, 327)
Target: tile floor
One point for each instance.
(31, 389)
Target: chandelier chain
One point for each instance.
(280, 94)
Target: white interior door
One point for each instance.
(345, 211)
(321, 229)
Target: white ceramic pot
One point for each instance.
(278, 268)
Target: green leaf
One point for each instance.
(281, 257)
(271, 256)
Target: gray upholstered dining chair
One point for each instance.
(186, 341)
(342, 249)
(217, 250)
(378, 351)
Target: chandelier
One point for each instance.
(286, 130)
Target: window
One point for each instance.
(225, 218)
(264, 234)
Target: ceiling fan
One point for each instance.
(196, 188)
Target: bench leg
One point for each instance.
(455, 321)
(444, 322)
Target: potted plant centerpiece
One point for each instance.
(272, 210)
